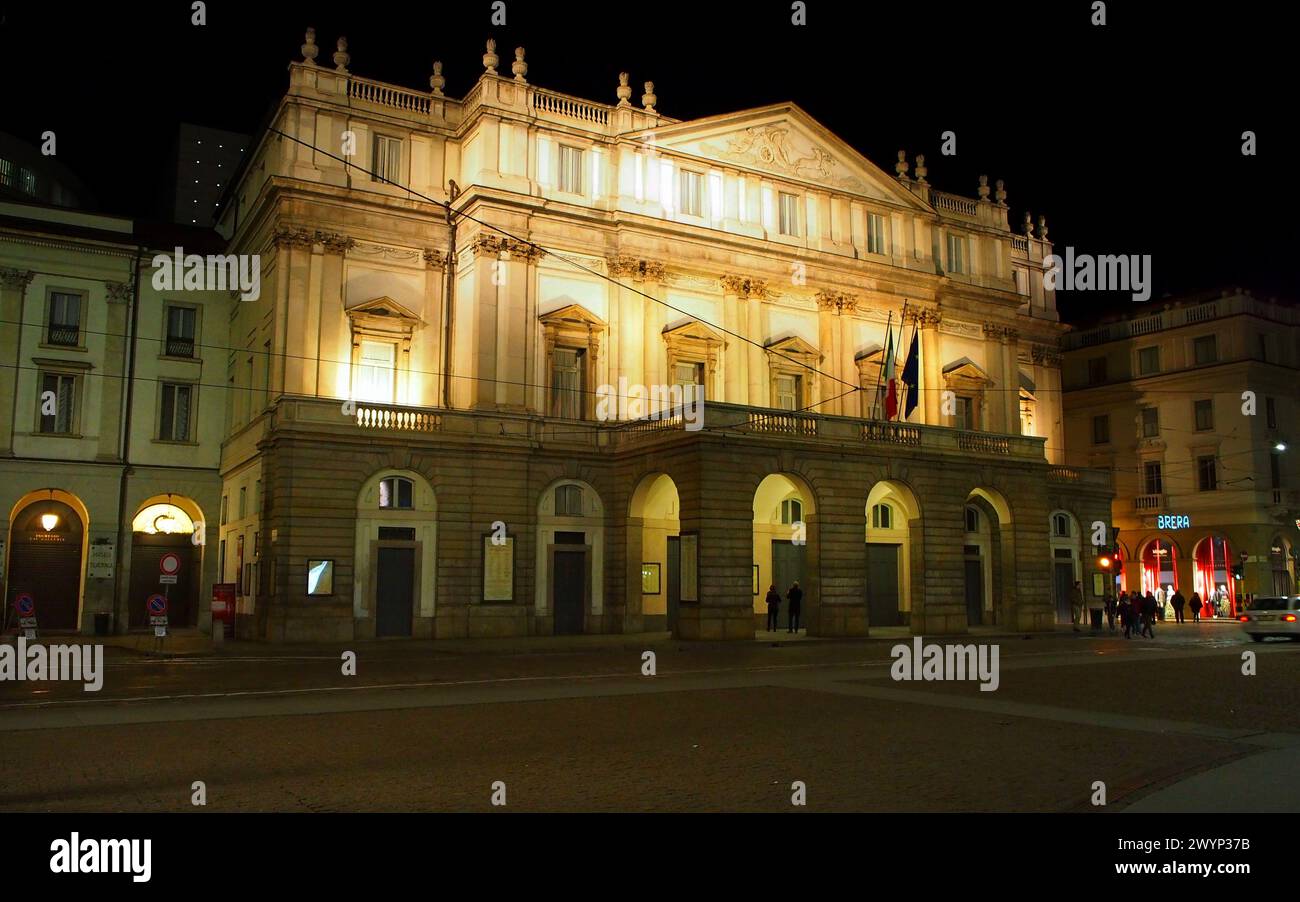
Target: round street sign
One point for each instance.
(25, 605)
(1243, 555)
(170, 564)
(157, 605)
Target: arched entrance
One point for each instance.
(47, 545)
(1067, 568)
(570, 557)
(1212, 577)
(165, 524)
(394, 558)
(1159, 566)
(987, 520)
(1282, 566)
(654, 551)
(783, 509)
(891, 510)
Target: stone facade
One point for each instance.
(454, 287)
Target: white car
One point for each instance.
(1272, 615)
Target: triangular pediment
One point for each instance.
(965, 368)
(782, 141)
(792, 346)
(573, 314)
(384, 307)
(693, 329)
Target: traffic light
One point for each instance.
(1237, 571)
(1105, 562)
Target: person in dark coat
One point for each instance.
(1149, 616)
(1178, 601)
(795, 597)
(1126, 613)
(773, 608)
(1110, 611)
(1196, 604)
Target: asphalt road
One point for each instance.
(1170, 724)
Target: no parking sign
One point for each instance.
(25, 606)
(157, 608)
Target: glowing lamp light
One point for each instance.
(1104, 562)
(1280, 446)
(49, 521)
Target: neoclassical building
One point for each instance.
(452, 287)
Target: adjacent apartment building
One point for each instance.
(420, 439)
(111, 422)
(1192, 408)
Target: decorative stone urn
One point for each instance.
(624, 89)
(648, 99)
(519, 67)
(341, 56)
(490, 59)
(436, 81)
(309, 48)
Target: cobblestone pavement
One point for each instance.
(719, 728)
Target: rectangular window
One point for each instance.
(376, 365)
(1206, 474)
(177, 407)
(65, 319)
(387, 160)
(1204, 411)
(789, 214)
(692, 193)
(690, 376)
(876, 241)
(57, 403)
(1101, 429)
(1096, 370)
(566, 383)
(956, 254)
(1270, 412)
(789, 391)
(1149, 361)
(27, 181)
(965, 418)
(225, 499)
(180, 331)
(1152, 481)
(568, 501)
(570, 169)
(1150, 422)
(1205, 349)
(6, 174)
(715, 195)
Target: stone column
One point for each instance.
(1011, 366)
(995, 419)
(119, 296)
(435, 355)
(931, 368)
(755, 362)
(1052, 418)
(293, 250)
(734, 356)
(332, 343)
(482, 332)
(13, 286)
(830, 339)
(516, 325)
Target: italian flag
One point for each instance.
(891, 384)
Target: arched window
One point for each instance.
(882, 517)
(792, 511)
(1060, 525)
(568, 501)
(396, 493)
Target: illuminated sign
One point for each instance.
(1173, 521)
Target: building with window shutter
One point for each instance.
(751, 259)
(1193, 414)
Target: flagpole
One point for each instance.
(902, 318)
(880, 371)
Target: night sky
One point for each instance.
(1127, 136)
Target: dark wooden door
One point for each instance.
(394, 591)
(569, 591)
(46, 564)
(882, 585)
(787, 567)
(182, 596)
(674, 587)
(974, 590)
(1062, 582)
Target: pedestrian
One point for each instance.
(1195, 604)
(795, 597)
(773, 608)
(1126, 613)
(1076, 604)
(1149, 616)
(1110, 611)
(1178, 602)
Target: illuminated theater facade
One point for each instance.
(451, 287)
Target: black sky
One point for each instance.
(1127, 136)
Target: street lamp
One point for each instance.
(1280, 446)
(49, 521)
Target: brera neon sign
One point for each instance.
(1173, 521)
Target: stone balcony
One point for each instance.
(368, 422)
